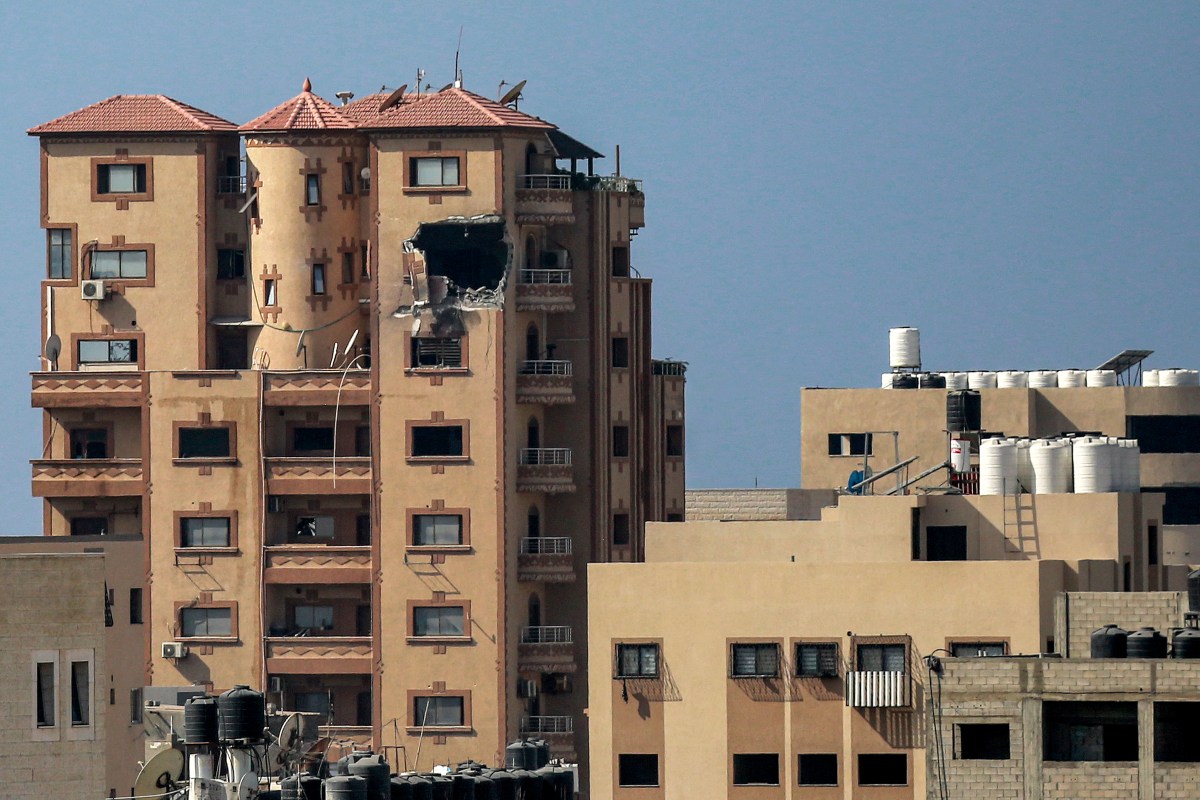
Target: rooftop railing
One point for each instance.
(545, 181)
(545, 367)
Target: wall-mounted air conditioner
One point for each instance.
(93, 290)
(174, 650)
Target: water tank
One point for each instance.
(1071, 378)
(1186, 643)
(422, 787)
(520, 755)
(1101, 377)
(1150, 377)
(505, 784)
(960, 455)
(462, 786)
(1024, 466)
(346, 787)
(443, 787)
(885, 380)
(310, 787)
(1043, 379)
(270, 794)
(904, 348)
(964, 411)
(997, 467)
(485, 788)
(289, 788)
(1051, 462)
(1093, 459)
(376, 772)
(1146, 643)
(1130, 465)
(1109, 642)
(200, 721)
(904, 380)
(1193, 589)
(931, 380)
(241, 715)
(401, 789)
(981, 380)
(541, 752)
(955, 381)
(1011, 379)
(1178, 377)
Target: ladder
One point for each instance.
(1020, 525)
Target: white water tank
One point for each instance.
(997, 466)
(886, 381)
(1094, 461)
(981, 380)
(956, 381)
(1051, 462)
(904, 348)
(1071, 378)
(1043, 379)
(1131, 466)
(1101, 377)
(1024, 466)
(1150, 377)
(1178, 377)
(960, 455)
(1011, 379)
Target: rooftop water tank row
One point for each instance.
(1084, 465)
(1171, 377)
(1112, 641)
(903, 378)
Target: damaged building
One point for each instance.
(389, 365)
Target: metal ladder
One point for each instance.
(1020, 525)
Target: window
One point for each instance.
(312, 440)
(434, 441)
(135, 606)
(755, 660)
(438, 712)
(107, 351)
(436, 352)
(313, 618)
(58, 245)
(119, 264)
(434, 171)
(817, 660)
(637, 769)
(983, 741)
(312, 190)
(946, 542)
(347, 177)
(882, 769)
(977, 649)
(674, 441)
(1181, 506)
(620, 352)
(1174, 732)
(1089, 731)
(204, 443)
(756, 769)
(620, 530)
(362, 530)
(314, 527)
(204, 531)
(120, 178)
(881, 658)
(437, 530)
(89, 443)
(620, 262)
(205, 622)
(269, 296)
(81, 693)
(1152, 544)
(620, 441)
(45, 695)
(364, 261)
(313, 703)
(318, 279)
(362, 441)
(231, 264)
(89, 526)
(637, 661)
(135, 706)
(347, 268)
(1175, 433)
(439, 621)
(817, 769)
(850, 444)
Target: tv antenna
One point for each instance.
(160, 776)
(457, 82)
(514, 94)
(420, 77)
(394, 99)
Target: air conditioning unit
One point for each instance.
(93, 290)
(527, 688)
(174, 650)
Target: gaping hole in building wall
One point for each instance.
(472, 255)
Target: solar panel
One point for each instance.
(1125, 360)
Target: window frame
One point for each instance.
(960, 749)
(837, 769)
(881, 642)
(81, 701)
(410, 427)
(312, 189)
(759, 646)
(733, 770)
(106, 431)
(123, 198)
(66, 250)
(411, 169)
(314, 608)
(464, 515)
(414, 725)
(823, 645)
(181, 519)
(136, 342)
(319, 283)
(44, 720)
(415, 637)
(845, 444)
(972, 641)
(125, 280)
(619, 650)
(410, 355)
(238, 270)
(858, 779)
(212, 605)
(621, 770)
(179, 460)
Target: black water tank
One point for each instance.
(542, 752)
(1146, 643)
(519, 754)
(1109, 642)
(200, 721)
(904, 380)
(485, 788)
(505, 783)
(270, 794)
(242, 715)
(1193, 583)
(422, 787)
(931, 380)
(310, 787)
(401, 789)
(463, 786)
(346, 787)
(376, 772)
(443, 787)
(964, 411)
(1186, 643)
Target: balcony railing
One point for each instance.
(231, 184)
(877, 689)
(545, 181)
(616, 183)
(546, 546)
(545, 367)
(541, 456)
(547, 634)
(548, 725)
(667, 367)
(546, 276)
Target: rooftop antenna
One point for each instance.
(514, 94)
(420, 77)
(345, 97)
(457, 72)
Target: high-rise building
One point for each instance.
(374, 383)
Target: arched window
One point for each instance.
(533, 434)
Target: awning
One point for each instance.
(235, 322)
(570, 147)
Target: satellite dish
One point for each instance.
(449, 85)
(393, 99)
(290, 733)
(513, 94)
(300, 343)
(350, 344)
(160, 776)
(333, 361)
(365, 173)
(53, 347)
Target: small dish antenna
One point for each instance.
(300, 343)
(160, 776)
(350, 344)
(449, 85)
(333, 361)
(365, 173)
(393, 99)
(53, 348)
(513, 94)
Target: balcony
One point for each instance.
(547, 559)
(317, 387)
(324, 475)
(545, 469)
(88, 389)
(319, 655)
(637, 210)
(317, 564)
(874, 689)
(669, 368)
(546, 648)
(545, 200)
(558, 732)
(545, 381)
(547, 290)
(231, 184)
(97, 477)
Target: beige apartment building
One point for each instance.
(373, 382)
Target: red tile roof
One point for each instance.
(304, 112)
(136, 113)
(449, 108)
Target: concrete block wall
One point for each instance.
(1089, 780)
(1176, 782)
(757, 504)
(982, 777)
(1080, 613)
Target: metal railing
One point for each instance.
(545, 181)
(548, 725)
(877, 689)
(546, 634)
(534, 456)
(617, 183)
(668, 367)
(231, 184)
(546, 545)
(545, 367)
(546, 276)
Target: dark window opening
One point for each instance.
(637, 661)
(89, 526)
(637, 769)
(977, 649)
(438, 712)
(533, 435)
(362, 620)
(946, 542)
(135, 607)
(620, 352)
(347, 177)
(204, 443)
(121, 179)
(882, 769)
(755, 769)
(437, 352)
(1152, 545)
(754, 660)
(850, 444)
(1089, 731)
(45, 695)
(433, 530)
(881, 658)
(270, 298)
(818, 769)
(347, 268)
(364, 262)
(915, 526)
(817, 660)
(430, 441)
(983, 741)
(620, 262)
(674, 516)
(470, 255)
(620, 441)
(620, 530)
(362, 716)
(533, 527)
(674, 441)
(233, 352)
(1175, 726)
(362, 441)
(1181, 504)
(1165, 433)
(533, 347)
(315, 527)
(1127, 575)
(314, 440)
(362, 530)
(231, 264)
(89, 443)
(535, 611)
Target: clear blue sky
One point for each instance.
(1019, 180)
